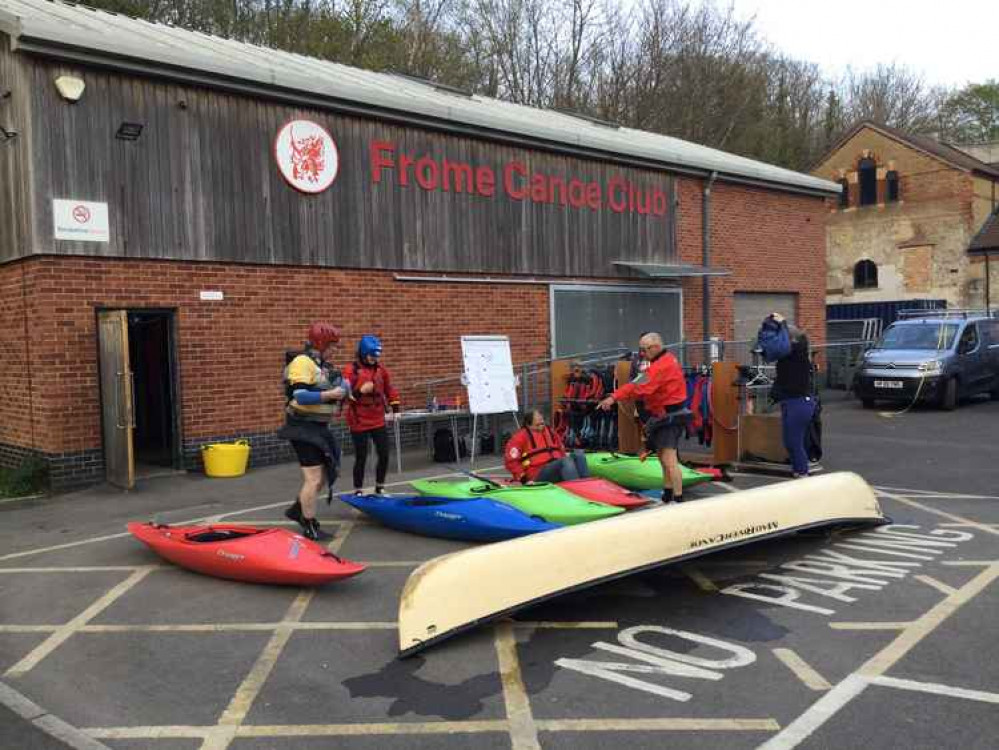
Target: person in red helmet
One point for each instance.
(313, 388)
(372, 394)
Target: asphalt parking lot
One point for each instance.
(884, 642)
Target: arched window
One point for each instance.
(844, 196)
(865, 275)
(867, 174)
(891, 187)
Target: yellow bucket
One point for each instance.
(226, 459)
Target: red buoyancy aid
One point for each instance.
(529, 450)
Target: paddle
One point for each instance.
(473, 475)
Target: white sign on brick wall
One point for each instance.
(81, 221)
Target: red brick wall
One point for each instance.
(770, 241)
(232, 352)
(15, 422)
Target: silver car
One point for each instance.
(938, 359)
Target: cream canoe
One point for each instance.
(449, 594)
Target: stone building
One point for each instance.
(902, 226)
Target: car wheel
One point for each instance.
(867, 403)
(948, 399)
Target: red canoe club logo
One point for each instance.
(307, 156)
(81, 214)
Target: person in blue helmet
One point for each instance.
(372, 395)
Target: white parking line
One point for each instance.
(936, 689)
(820, 712)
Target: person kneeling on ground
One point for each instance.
(535, 453)
(371, 394)
(663, 389)
(312, 388)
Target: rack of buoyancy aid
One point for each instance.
(577, 421)
(701, 426)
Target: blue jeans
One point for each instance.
(796, 415)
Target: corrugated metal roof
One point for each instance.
(57, 28)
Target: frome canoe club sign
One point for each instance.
(308, 158)
(514, 180)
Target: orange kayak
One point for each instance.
(245, 553)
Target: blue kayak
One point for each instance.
(467, 519)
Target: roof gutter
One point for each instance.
(187, 76)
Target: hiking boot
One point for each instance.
(313, 531)
(294, 513)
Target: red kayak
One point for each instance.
(604, 491)
(246, 553)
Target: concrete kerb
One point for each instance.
(49, 723)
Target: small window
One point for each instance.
(891, 186)
(865, 275)
(844, 194)
(969, 340)
(867, 175)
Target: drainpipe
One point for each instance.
(706, 255)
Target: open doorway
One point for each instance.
(153, 365)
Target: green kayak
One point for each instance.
(543, 500)
(634, 474)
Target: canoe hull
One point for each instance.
(634, 474)
(547, 502)
(469, 520)
(252, 554)
(509, 576)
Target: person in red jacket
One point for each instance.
(663, 389)
(536, 453)
(372, 394)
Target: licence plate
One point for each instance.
(888, 384)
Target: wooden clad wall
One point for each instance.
(15, 195)
(202, 183)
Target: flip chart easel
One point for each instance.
(488, 377)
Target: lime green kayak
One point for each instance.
(635, 474)
(543, 500)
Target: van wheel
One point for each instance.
(867, 403)
(948, 400)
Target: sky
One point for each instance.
(950, 43)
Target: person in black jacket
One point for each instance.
(793, 390)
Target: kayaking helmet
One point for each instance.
(369, 346)
(322, 335)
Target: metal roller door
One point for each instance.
(752, 307)
(597, 318)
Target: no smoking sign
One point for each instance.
(80, 221)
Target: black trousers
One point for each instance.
(379, 437)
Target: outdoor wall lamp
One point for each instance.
(70, 88)
(129, 131)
